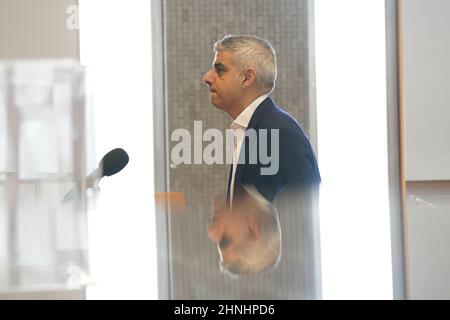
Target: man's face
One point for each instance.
(224, 81)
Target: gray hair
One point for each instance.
(267, 255)
(269, 252)
(252, 52)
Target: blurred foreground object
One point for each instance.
(174, 201)
(248, 236)
(43, 245)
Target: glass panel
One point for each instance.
(43, 238)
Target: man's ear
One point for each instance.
(249, 78)
(253, 228)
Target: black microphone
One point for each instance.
(111, 163)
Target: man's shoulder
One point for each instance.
(277, 118)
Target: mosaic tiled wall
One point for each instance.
(191, 28)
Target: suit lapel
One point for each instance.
(262, 109)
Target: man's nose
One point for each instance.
(207, 78)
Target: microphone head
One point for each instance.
(114, 161)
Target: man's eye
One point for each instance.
(224, 242)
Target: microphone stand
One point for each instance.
(92, 182)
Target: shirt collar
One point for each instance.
(244, 117)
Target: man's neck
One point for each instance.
(244, 103)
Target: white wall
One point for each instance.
(426, 43)
(121, 227)
(429, 224)
(352, 148)
(36, 29)
(426, 52)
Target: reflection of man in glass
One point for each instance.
(248, 237)
(242, 78)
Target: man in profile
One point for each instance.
(242, 77)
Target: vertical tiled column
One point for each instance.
(191, 28)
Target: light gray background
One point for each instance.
(426, 52)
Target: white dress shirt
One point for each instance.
(239, 125)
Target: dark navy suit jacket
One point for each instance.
(293, 190)
(297, 161)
